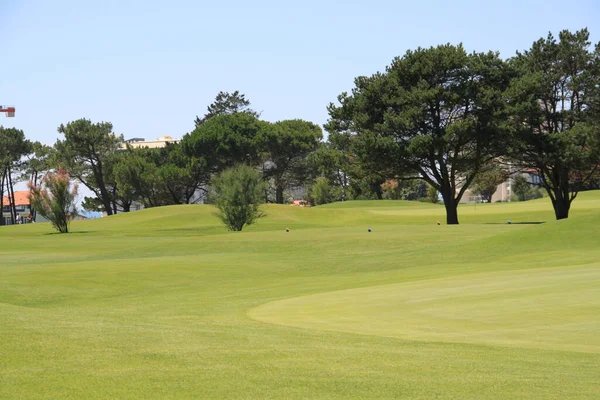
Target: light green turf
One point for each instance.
(551, 308)
(164, 303)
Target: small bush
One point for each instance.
(55, 200)
(321, 191)
(238, 193)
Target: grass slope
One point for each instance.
(164, 303)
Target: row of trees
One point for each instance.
(445, 116)
(437, 120)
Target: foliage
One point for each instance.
(554, 107)
(227, 103)
(523, 190)
(435, 113)
(55, 200)
(13, 146)
(37, 162)
(239, 192)
(159, 177)
(321, 191)
(92, 204)
(286, 146)
(486, 182)
(405, 189)
(85, 151)
(432, 194)
(332, 162)
(226, 140)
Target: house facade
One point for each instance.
(23, 208)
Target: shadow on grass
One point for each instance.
(70, 233)
(516, 223)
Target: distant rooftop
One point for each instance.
(151, 144)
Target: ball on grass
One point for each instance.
(369, 229)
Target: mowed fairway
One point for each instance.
(164, 303)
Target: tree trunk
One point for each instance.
(451, 212)
(561, 199)
(104, 195)
(561, 208)
(279, 194)
(33, 211)
(11, 197)
(376, 188)
(2, 198)
(451, 206)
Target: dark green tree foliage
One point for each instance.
(226, 140)
(121, 198)
(406, 189)
(227, 103)
(159, 177)
(335, 161)
(92, 204)
(136, 173)
(554, 104)
(84, 151)
(183, 176)
(286, 146)
(487, 181)
(435, 113)
(37, 162)
(521, 187)
(13, 146)
(320, 191)
(239, 192)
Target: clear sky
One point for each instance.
(150, 67)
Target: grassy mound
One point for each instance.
(166, 303)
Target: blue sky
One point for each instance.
(150, 67)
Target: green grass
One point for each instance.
(165, 303)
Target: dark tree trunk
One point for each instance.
(2, 198)
(104, 194)
(32, 211)
(451, 206)
(376, 188)
(279, 194)
(451, 212)
(560, 195)
(11, 197)
(561, 208)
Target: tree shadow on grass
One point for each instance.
(70, 233)
(516, 223)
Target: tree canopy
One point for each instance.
(227, 103)
(554, 107)
(84, 151)
(435, 114)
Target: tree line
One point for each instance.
(436, 120)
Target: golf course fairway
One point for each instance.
(166, 303)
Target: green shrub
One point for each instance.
(321, 191)
(238, 193)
